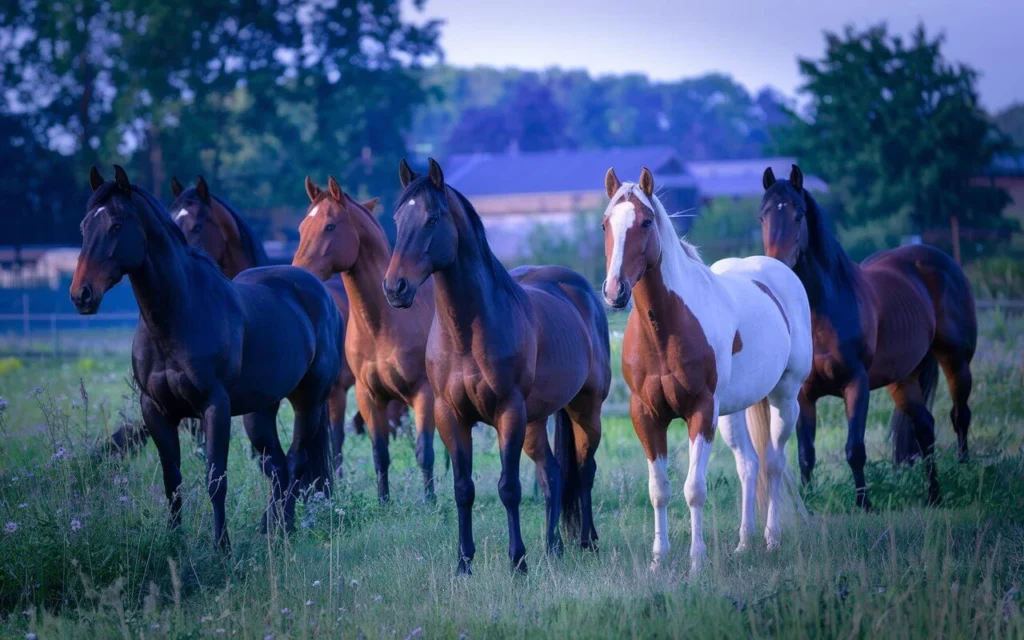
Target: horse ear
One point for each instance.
(176, 187)
(203, 189)
(121, 179)
(647, 182)
(796, 178)
(335, 189)
(371, 204)
(95, 179)
(406, 174)
(611, 182)
(768, 179)
(312, 190)
(435, 174)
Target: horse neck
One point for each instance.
(474, 288)
(367, 304)
(161, 285)
(827, 273)
(237, 256)
(674, 274)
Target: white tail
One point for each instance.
(760, 429)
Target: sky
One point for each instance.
(755, 41)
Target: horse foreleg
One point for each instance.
(458, 440)
(423, 407)
(164, 433)
(856, 395)
(336, 403)
(217, 424)
(653, 434)
(701, 424)
(375, 412)
(511, 427)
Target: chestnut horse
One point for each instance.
(726, 346)
(209, 223)
(507, 349)
(207, 347)
(887, 322)
(384, 347)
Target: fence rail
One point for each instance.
(41, 335)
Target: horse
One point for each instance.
(209, 223)
(207, 347)
(508, 349)
(384, 347)
(888, 322)
(725, 346)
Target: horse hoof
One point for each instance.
(697, 562)
(519, 568)
(465, 567)
(741, 548)
(773, 546)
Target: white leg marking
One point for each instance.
(783, 423)
(661, 492)
(734, 431)
(696, 491)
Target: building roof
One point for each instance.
(485, 174)
(1006, 165)
(739, 178)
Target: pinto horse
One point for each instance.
(384, 347)
(507, 349)
(209, 348)
(704, 344)
(887, 322)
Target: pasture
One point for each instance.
(86, 551)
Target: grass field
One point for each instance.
(85, 550)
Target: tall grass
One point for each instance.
(85, 549)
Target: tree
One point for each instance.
(897, 132)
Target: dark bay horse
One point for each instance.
(385, 347)
(207, 347)
(209, 223)
(887, 322)
(507, 349)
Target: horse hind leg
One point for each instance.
(733, 428)
(423, 407)
(549, 479)
(910, 399)
(960, 381)
(336, 404)
(262, 430)
(587, 436)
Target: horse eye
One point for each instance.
(646, 223)
(115, 228)
(602, 226)
(330, 227)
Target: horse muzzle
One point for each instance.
(619, 298)
(399, 292)
(86, 299)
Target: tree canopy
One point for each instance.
(898, 133)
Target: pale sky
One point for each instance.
(756, 42)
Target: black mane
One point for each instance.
(422, 186)
(249, 240)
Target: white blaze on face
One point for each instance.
(97, 211)
(315, 210)
(621, 219)
(181, 214)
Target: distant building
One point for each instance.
(514, 192)
(1007, 171)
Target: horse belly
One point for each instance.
(276, 355)
(906, 327)
(564, 360)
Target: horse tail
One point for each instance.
(901, 427)
(572, 486)
(759, 423)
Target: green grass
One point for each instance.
(89, 553)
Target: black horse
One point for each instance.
(209, 348)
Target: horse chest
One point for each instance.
(672, 376)
(840, 350)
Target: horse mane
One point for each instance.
(249, 241)
(665, 227)
(421, 186)
(157, 213)
(823, 244)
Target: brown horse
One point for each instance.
(507, 349)
(887, 322)
(384, 347)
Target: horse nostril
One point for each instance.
(401, 285)
(621, 291)
(86, 294)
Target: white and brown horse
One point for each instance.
(726, 346)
